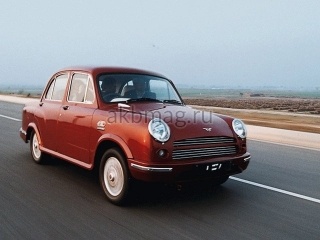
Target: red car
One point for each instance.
(131, 124)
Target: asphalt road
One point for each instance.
(61, 201)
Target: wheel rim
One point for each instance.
(35, 147)
(113, 176)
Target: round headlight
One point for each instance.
(239, 128)
(159, 130)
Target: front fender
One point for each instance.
(117, 140)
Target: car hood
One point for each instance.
(184, 121)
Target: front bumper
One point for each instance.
(23, 135)
(185, 171)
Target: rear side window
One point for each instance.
(50, 90)
(57, 88)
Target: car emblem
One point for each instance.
(101, 125)
(207, 129)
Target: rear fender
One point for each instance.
(33, 127)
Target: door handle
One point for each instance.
(66, 107)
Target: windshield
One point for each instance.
(136, 87)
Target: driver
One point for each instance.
(139, 90)
(108, 89)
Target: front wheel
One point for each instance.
(114, 177)
(37, 155)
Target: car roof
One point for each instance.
(96, 70)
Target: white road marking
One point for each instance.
(277, 190)
(11, 118)
(285, 144)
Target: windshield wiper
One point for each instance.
(143, 100)
(173, 101)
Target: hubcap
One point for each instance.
(36, 149)
(113, 176)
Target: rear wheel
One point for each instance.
(37, 155)
(114, 177)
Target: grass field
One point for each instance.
(289, 110)
(236, 93)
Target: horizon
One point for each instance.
(201, 92)
(188, 85)
(7, 86)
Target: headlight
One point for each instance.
(239, 128)
(159, 130)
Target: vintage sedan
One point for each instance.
(131, 124)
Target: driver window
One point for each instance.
(90, 92)
(81, 89)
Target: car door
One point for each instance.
(48, 114)
(76, 119)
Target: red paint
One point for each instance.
(69, 130)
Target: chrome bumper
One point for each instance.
(150, 169)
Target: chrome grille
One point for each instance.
(203, 141)
(203, 152)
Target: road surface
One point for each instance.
(278, 197)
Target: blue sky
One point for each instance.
(219, 43)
